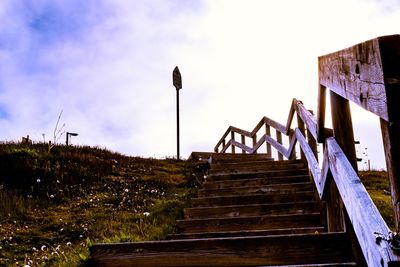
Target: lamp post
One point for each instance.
(177, 82)
(68, 137)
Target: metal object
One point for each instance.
(177, 82)
(68, 137)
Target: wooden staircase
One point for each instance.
(251, 211)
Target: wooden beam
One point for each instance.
(279, 140)
(243, 139)
(390, 53)
(321, 113)
(232, 141)
(356, 74)
(391, 144)
(343, 126)
(301, 127)
(268, 145)
(364, 215)
(309, 155)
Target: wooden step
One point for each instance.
(252, 210)
(257, 165)
(238, 251)
(249, 223)
(260, 174)
(337, 264)
(256, 181)
(246, 190)
(285, 231)
(252, 199)
(232, 158)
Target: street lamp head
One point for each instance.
(177, 78)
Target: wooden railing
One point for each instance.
(368, 74)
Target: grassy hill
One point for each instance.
(54, 204)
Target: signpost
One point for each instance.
(68, 137)
(177, 82)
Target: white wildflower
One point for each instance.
(146, 213)
(126, 190)
(38, 180)
(69, 243)
(43, 248)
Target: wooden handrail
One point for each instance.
(367, 74)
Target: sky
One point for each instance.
(107, 65)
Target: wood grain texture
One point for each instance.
(239, 251)
(364, 215)
(356, 74)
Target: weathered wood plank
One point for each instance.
(279, 140)
(356, 74)
(307, 117)
(391, 144)
(266, 232)
(256, 181)
(249, 223)
(252, 199)
(252, 210)
(238, 251)
(312, 161)
(257, 174)
(343, 127)
(364, 215)
(287, 188)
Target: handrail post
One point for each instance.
(311, 141)
(300, 125)
(343, 133)
(243, 142)
(268, 133)
(254, 143)
(232, 139)
(279, 139)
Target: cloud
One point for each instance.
(108, 65)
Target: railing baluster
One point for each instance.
(244, 143)
(268, 145)
(300, 125)
(279, 139)
(233, 139)
(254, 142)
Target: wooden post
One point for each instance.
(268, 133)
(312, 142)
(391, 143)
(343, 127)
(300, 125)
(233, 139)
(293, 156)
(321, 113)
(343, 133)
(255, 142)
(244, 143)
(279, 139)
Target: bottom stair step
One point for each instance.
(239, 251)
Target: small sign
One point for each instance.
(177, 78)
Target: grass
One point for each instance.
(55, 204)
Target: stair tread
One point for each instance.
(260, 209)
(269, 232)
(255, 174)
(287, 187)
(232, 251)
(267, 222)
(252, 199)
